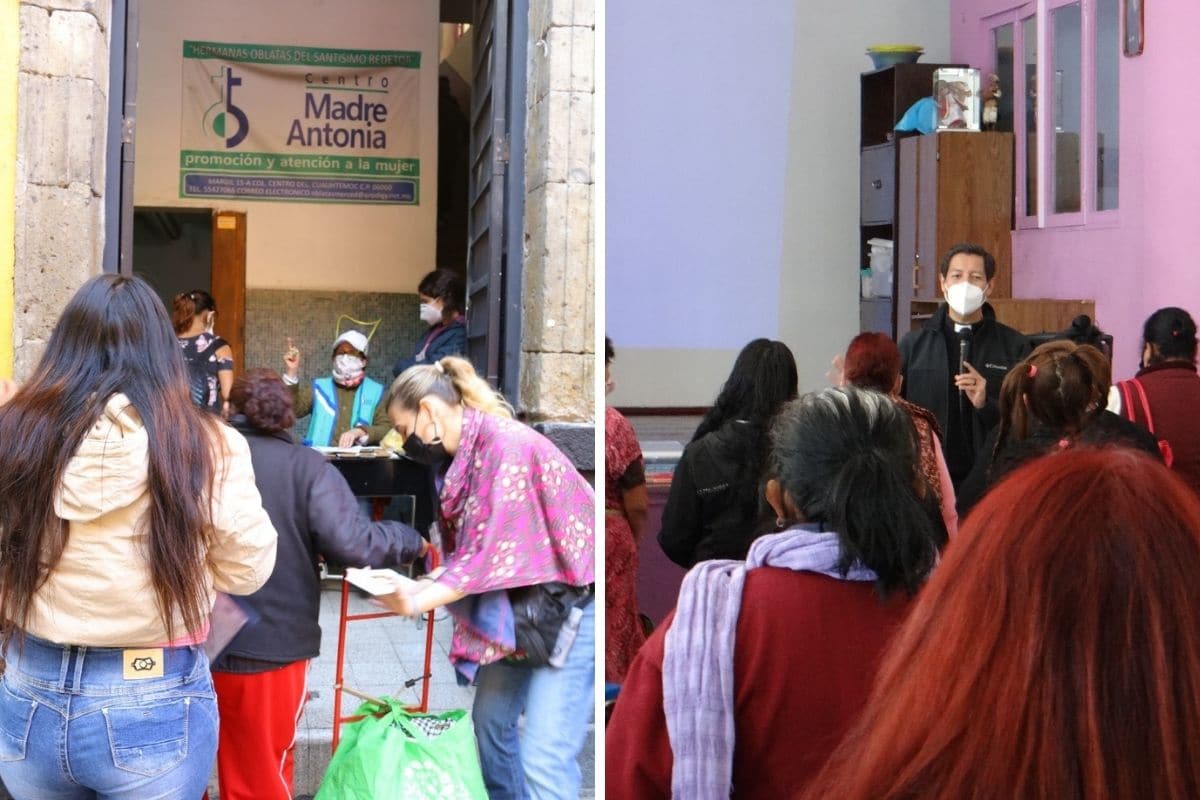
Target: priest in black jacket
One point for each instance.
(955, 363)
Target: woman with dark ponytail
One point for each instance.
(778, 653)
(209, 358)
(1051, 401)
(1165, 394)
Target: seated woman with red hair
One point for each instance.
(1055, 652)
(873, 362)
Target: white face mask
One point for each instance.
(347, 367)
(964, 298)
(430, 314)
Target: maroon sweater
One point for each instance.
(807, 648)
(1173, 389)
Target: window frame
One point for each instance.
(1088, 215)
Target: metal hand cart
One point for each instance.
(384, 478)
(338, 681)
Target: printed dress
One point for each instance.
(623, 633)
(200, 353)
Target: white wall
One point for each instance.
(732, 182)
(818, 299)
(385, 248)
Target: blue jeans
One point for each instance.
(71, 726)
(540, 763)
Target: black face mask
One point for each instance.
(429, 455)
(432, 454)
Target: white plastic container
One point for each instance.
(881, 267)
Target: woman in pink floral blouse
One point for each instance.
(513, 512)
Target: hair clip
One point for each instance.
(438, 366)
(1033, 370)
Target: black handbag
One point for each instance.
(539, 615)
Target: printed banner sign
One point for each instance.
(300, 124)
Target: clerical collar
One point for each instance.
(959, 328)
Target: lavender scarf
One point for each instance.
(698, 678)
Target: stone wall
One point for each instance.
(557, 337)
(62, 104)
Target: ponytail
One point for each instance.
(451, 379)
(186, 305)
(473, 390)
(885, 526)
(183, 310)
(1058, 389)
(1014, 415)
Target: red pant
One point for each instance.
(259, 712)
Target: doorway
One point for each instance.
(178, 250)
(479, 219)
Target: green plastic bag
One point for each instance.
(404, 755)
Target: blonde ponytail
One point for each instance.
(475, 392)
(452, 379)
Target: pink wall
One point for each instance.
(1151, 258)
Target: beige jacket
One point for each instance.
(100, 592)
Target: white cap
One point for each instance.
(353, 337)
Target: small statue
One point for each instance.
(991, 102)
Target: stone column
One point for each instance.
(61, 138)
(557, 337)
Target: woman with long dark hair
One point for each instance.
(749, 686)
(714, 508)
(123, 506)
(1055, 652)
(1165, 393)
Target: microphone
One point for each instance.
(964, 349)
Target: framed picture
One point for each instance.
(956, 93)
(1135, 27)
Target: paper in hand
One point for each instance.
(378, 581)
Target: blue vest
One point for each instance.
(325, 408)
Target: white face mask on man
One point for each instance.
(964, 298)
(430, 314)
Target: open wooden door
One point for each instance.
(229, 281)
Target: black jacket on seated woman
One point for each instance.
(315, 513)
(715, 507)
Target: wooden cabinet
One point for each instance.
(952, 187)
(928, 193)
(885, 95)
